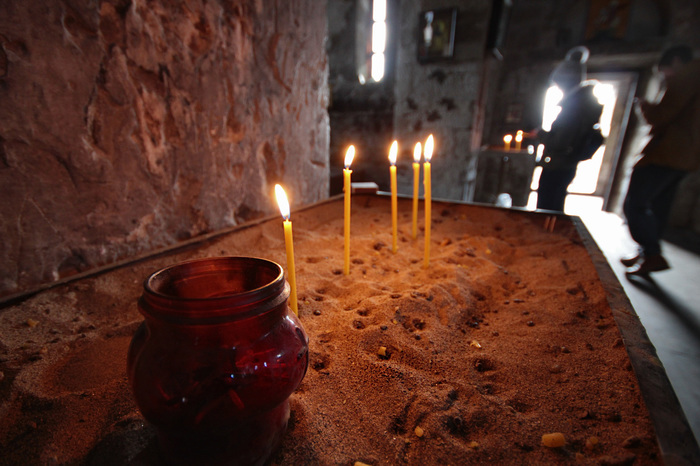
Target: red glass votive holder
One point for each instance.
(216, 359)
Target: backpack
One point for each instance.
(593, 140)
(575, 135)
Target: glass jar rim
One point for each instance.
(258, 285)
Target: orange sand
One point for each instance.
(508, 336)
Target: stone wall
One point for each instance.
(127, 126)
(361, 115)
(440, 97)
(412, 101)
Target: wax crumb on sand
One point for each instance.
(591, 442)
(553, 440)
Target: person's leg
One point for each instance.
(551, 192)
(661, 204)
(646, 207)
(648, 200)
(637, 208)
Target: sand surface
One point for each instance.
(506, 337)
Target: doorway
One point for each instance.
(591, 188)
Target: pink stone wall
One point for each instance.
(126, 126)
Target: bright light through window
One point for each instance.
(378, 37)
(377, 66)
(604, 92)
(607, 96)
(551, 107)
(536, 178)
(379, 10)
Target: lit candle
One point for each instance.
(416, 176)
(393, 153)
(349, 155)
(427, 154)
(283, 204)
(507, 139)
(518, 139)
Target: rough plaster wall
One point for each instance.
(439, 98)
(361, 115)
(370, 131)
(438, 101)
(685, 17)
(342, 36)
(129, 125)
(685, 21)
(685, 212)
(412, 101)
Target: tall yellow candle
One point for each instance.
(506, 141)
(349, 155)
(427, 154)
(283, 204)
(518, 139)
(393, 153)
(416, 176)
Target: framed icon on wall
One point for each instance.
(607, 20)
(436, 34)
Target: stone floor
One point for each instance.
(667, 304)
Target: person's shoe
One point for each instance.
(655, 263)
(630, 261)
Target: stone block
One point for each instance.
(128, 126)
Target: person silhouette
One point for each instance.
(672, 152)
(574, 136)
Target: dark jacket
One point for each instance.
(675, 122)
(567, 143)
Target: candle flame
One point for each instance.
(282, 201)
(393, 152)
(519, 136)
(349, 155)
(507, 138)
(416, 152)
(428, 151)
